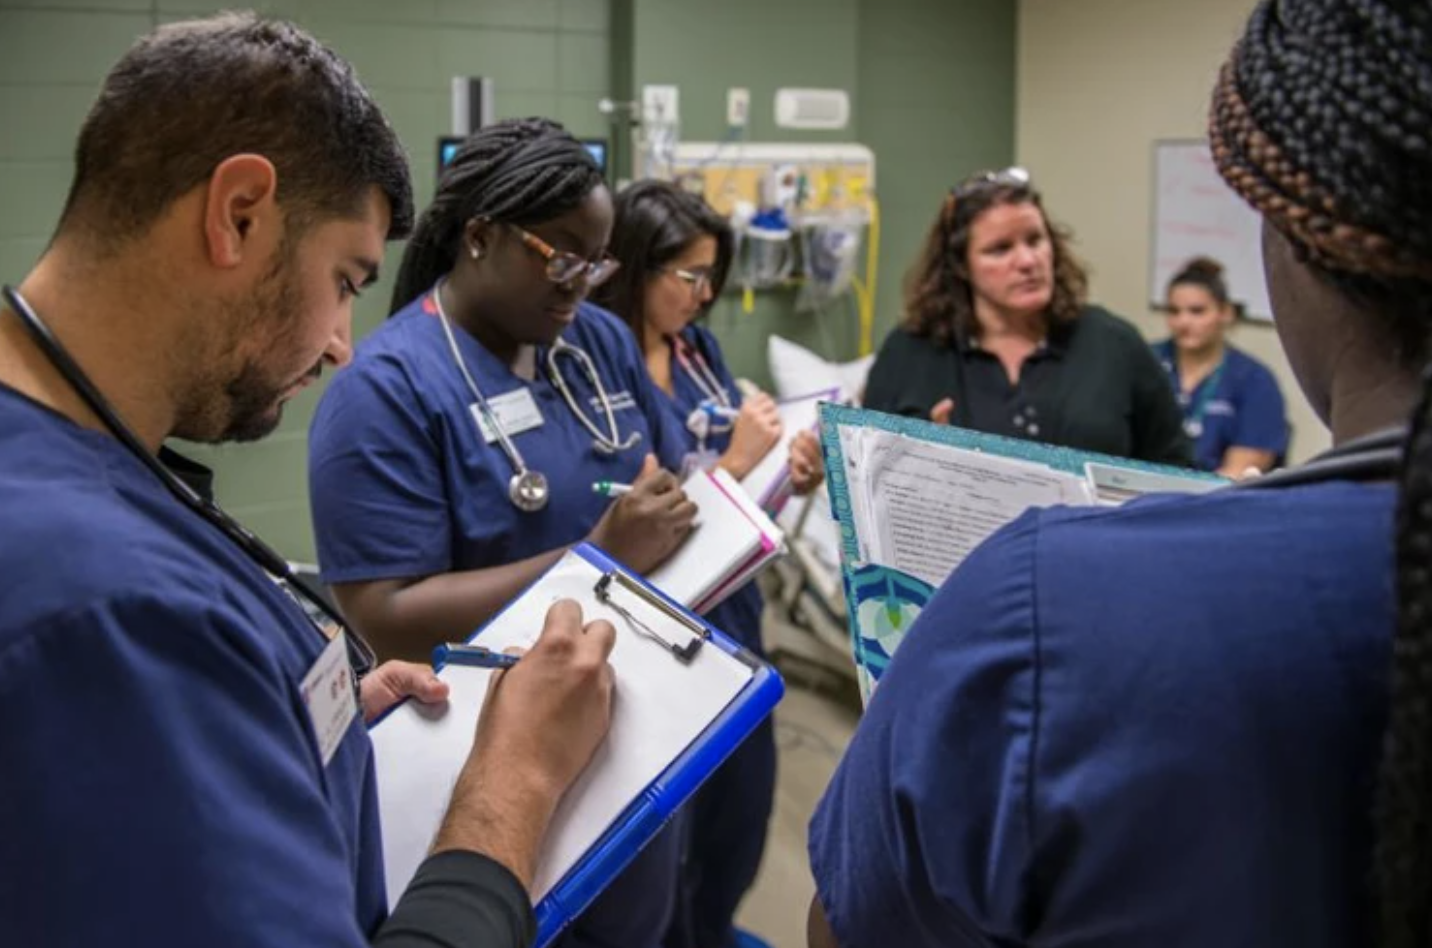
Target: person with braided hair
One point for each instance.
(998, 337)
(1078, 744)
(1232, 409)
(493, 368)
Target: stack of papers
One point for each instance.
(922, 507)
(914, 499)
(733, 541)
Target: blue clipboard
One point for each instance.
(645, 816)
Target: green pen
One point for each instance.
(610, 488)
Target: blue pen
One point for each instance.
(455, 653)
(720, 411)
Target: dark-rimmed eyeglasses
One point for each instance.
(564, 267)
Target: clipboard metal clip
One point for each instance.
(683, 652)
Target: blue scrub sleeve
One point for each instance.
(375, 480)
(1261, 421)
(173, 795)
(923, 836)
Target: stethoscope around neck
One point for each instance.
(1196, 409)
(716, 413)
(361, 657)
(528, 489)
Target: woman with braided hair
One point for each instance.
(493, 369)
(1078, 746)
(998, 336)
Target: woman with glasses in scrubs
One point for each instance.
(675, 252)
(455, 461)
(998, 337)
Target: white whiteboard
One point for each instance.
(1196, 214)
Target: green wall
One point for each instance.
(932, 85)
(936, 89)
(547, 57)
(932, 94)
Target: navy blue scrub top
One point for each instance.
(402, 483)
(1156, 725)
(740, 615)
(173, 791)
(1236, 406)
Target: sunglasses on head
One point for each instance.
(1013, 177)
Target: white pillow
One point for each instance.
(798, 371)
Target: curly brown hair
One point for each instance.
(939, 299)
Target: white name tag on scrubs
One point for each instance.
(328, 693)
(516, 412)
(620, 401)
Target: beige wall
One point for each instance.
(1098, 82)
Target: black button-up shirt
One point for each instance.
(1093, 384)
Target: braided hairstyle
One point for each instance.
(939, 298)
(1321, 121)
(519, 171)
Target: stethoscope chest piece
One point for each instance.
(528, 490)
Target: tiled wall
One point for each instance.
(547, 57)
(932, 85)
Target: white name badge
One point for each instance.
(516, 412)
(620, 401)
(328, 694)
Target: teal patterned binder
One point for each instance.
(882, 602)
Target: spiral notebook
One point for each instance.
(673, 723)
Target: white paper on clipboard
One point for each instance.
(661, 707)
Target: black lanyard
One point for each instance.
(360, 654)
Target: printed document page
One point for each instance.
(922, 507)
(661, 706)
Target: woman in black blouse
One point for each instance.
(998, 337)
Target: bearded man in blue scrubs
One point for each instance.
(186, 761)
